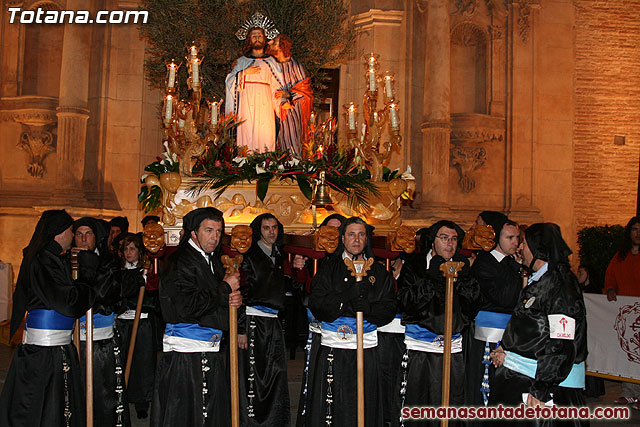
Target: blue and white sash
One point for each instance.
(314, 325)
(393, 327)
(528, 367)
(190, 338)
(342, 333)
(102, 327)
(422, 339)
(262, 311)
(47, 328)
(490, 326)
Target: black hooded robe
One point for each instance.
(191, 293)
(333, 291)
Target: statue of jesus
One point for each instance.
(252, 85)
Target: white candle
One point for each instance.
(195, 76)
(172, 75)
(352, 117)
(168, 108)
(214, 113)
(194, 50)
(393, 112)
(388, 86)
(372, 80)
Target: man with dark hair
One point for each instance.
(623, 278)
(296, 96)
(192, 386)
(335, 299)
(498, 274)
(117, 225)
(150, 218)
(421, 299)
(544, 346)
(250, 93)
(264, 391)
(44, 384)
(109, 402)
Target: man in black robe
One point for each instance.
(421, 299)
(498, 274)
(264, 390)
(335, 299)
(544, 346)
(44, 384)
(192, 383)
(110, 407)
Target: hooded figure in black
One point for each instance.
(44, 380)
(192, 383)
(264, 391)
(335, 298)
(314, 332)
(421, 299)
(498, 274)
(545, 342)
(109, 394)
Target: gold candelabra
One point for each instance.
(372, 150)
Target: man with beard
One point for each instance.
(110, 405)
(422, 301)
(498, 274)
(192, 386)
(264, 391)
(297, 97)
(544, 346)
(44, 384)
(335, 299)
(250, 93)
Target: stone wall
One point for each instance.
(607, 103)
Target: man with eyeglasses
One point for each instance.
(421, 299)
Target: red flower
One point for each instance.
(218, 163)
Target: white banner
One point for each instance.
(613, 335)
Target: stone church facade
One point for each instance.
(527, 107)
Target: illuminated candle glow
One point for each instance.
(172, 75)
(168, 108)
(372, 81)
(393, 113)
(388, 86)
(352, 117)
(214, 113)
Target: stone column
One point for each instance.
(72, 111)
(436, 124)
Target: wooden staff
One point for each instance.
(136, 324)
(232, 266)
(360, 367)
(74, 276)
(89, 367)
(450, 271)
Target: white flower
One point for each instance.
(407, 174)
(280, 167)
(259, 170)
(239, 160)
(294, 162)
(144, 176)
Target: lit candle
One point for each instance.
(352, 117)
(195, 75)
(388, 85)
(172, 75)
(312, 119)
(372, 81)
(393, 112)
(372, 61)
(214, 113)
(193, 50)
(168, 108)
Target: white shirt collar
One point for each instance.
(197, 248)
(130, 266)
(345, 254)
(499, 256)
(538, 274)
(429, 258)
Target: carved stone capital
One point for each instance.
(466, 7)
(466, 159)
(38, 144)
(29, 110)
(496, 32)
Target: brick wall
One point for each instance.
(607, 103)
